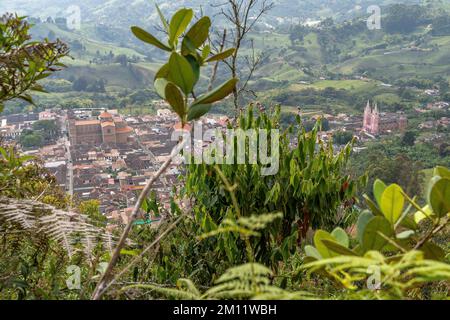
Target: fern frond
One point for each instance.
(400, 272)
(241, 282)
(68, 228)
(259, 222)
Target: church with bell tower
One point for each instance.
(376, 123)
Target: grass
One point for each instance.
(92, 46)
(351, 85)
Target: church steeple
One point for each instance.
(368, 106)
(367, 116)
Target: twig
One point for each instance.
(214, 72)
(431, 234)
(134, 261)
(100, 289)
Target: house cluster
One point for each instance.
(114, 170)
(11, 126)
(443, 122)
(112, 158)
(440, 105)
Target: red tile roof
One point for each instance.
(108, 124)
(105, 115)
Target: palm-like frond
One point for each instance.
(71, 230)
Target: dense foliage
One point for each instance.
(24, 62)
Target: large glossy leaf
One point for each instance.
(392, 203)
(432, 251)
(163, 72)
(217, 94)
(198, 33)
(197, 111)
(175, 98)
(188, 47)
(337, 248)
(181, 73)
(160, 87)
(425, 213)
(312, 252)
(363, 220)
(372, 240)
(324, 251)
(442, 172)
(439, 197)
(222, 55)
(179, 23)
(409, 223)
(148, 38)
(373, 206)
(195, 67)
(378, 189)
(341, 237)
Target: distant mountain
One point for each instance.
(119, 13)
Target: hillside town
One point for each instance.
(106, 156)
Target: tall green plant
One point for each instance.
(309, 190)
(175, 81)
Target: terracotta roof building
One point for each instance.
(106, 129)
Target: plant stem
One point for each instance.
(434, 231)
(103, 283)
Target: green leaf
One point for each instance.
(129, 252)
(378, 189)
(160, 87)
(392, 203)
(372, 240)
(409, 223)
(312, 252)
(38, 88)
(197, 111)
(179, 23)
(426, 213)
(222, 55)
(198, 33)
(363, 220)
(163, 72)
(145, 206)
(341, 237)
(338, 248)
(319, 236)
(195, 67)
(432, 251)
(217, 94)
(27, 98)
(206, 51)
(439, 197)
(175, 98)
(181, 73)
(148, 38)
(442, 172)
(188, 47)
(163, 19)
(373, 206)
(405, 234)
